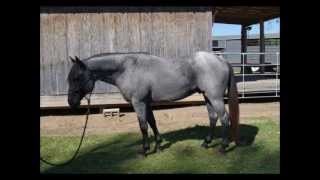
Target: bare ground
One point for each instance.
(167, 119)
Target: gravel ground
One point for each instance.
(167, 120)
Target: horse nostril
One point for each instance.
(70, 102)
(73, 103)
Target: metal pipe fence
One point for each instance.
(250, 88)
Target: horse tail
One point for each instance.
(233, 103)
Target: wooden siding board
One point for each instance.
(169, 34)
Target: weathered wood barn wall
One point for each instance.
(83, 31)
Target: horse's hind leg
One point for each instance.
(153, 125)
(213, 117)
(224, 119)
(218, 106)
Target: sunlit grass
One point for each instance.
(181, 154)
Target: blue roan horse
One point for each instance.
(143, 78)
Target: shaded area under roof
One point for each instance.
(245, 15)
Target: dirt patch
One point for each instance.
(167, 119)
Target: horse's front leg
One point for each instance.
(152, 122)
(140, 108)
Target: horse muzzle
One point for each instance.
(73, 104)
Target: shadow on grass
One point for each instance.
(102, 158)
(255, 160)
(247, 136)
(111, 156)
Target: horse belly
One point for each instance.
(171, 89)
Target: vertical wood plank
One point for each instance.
(157, 34)
(180, 38)
(85, 35)
(133, 32)
(108, 32)
(164, 33)
(51, 55)
(121, 25)
(209, 31)
(60, 52)
(96, 34)
(170, 35)
(42, 51)
(145, 24)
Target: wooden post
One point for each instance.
(244, 48)
(214, 13)
(262, 46)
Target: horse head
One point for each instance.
(80, 82)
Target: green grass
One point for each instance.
(181, 152)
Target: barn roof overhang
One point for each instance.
(245, 15)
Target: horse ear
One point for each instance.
(81, 64)
(72, 60)
(77, 59)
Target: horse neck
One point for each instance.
(105, 69)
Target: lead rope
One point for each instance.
(81, 140)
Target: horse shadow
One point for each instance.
(109, 157)
(247, 134)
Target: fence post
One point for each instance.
(262, 46)
(243, 82)
(277, 63)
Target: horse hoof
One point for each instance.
(222, 151)
(240, 143)
(142, 153)
(157, 150)
(205, 145)
(145, 149)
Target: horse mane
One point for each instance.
(115, 53)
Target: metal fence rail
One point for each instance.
(247, 93)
